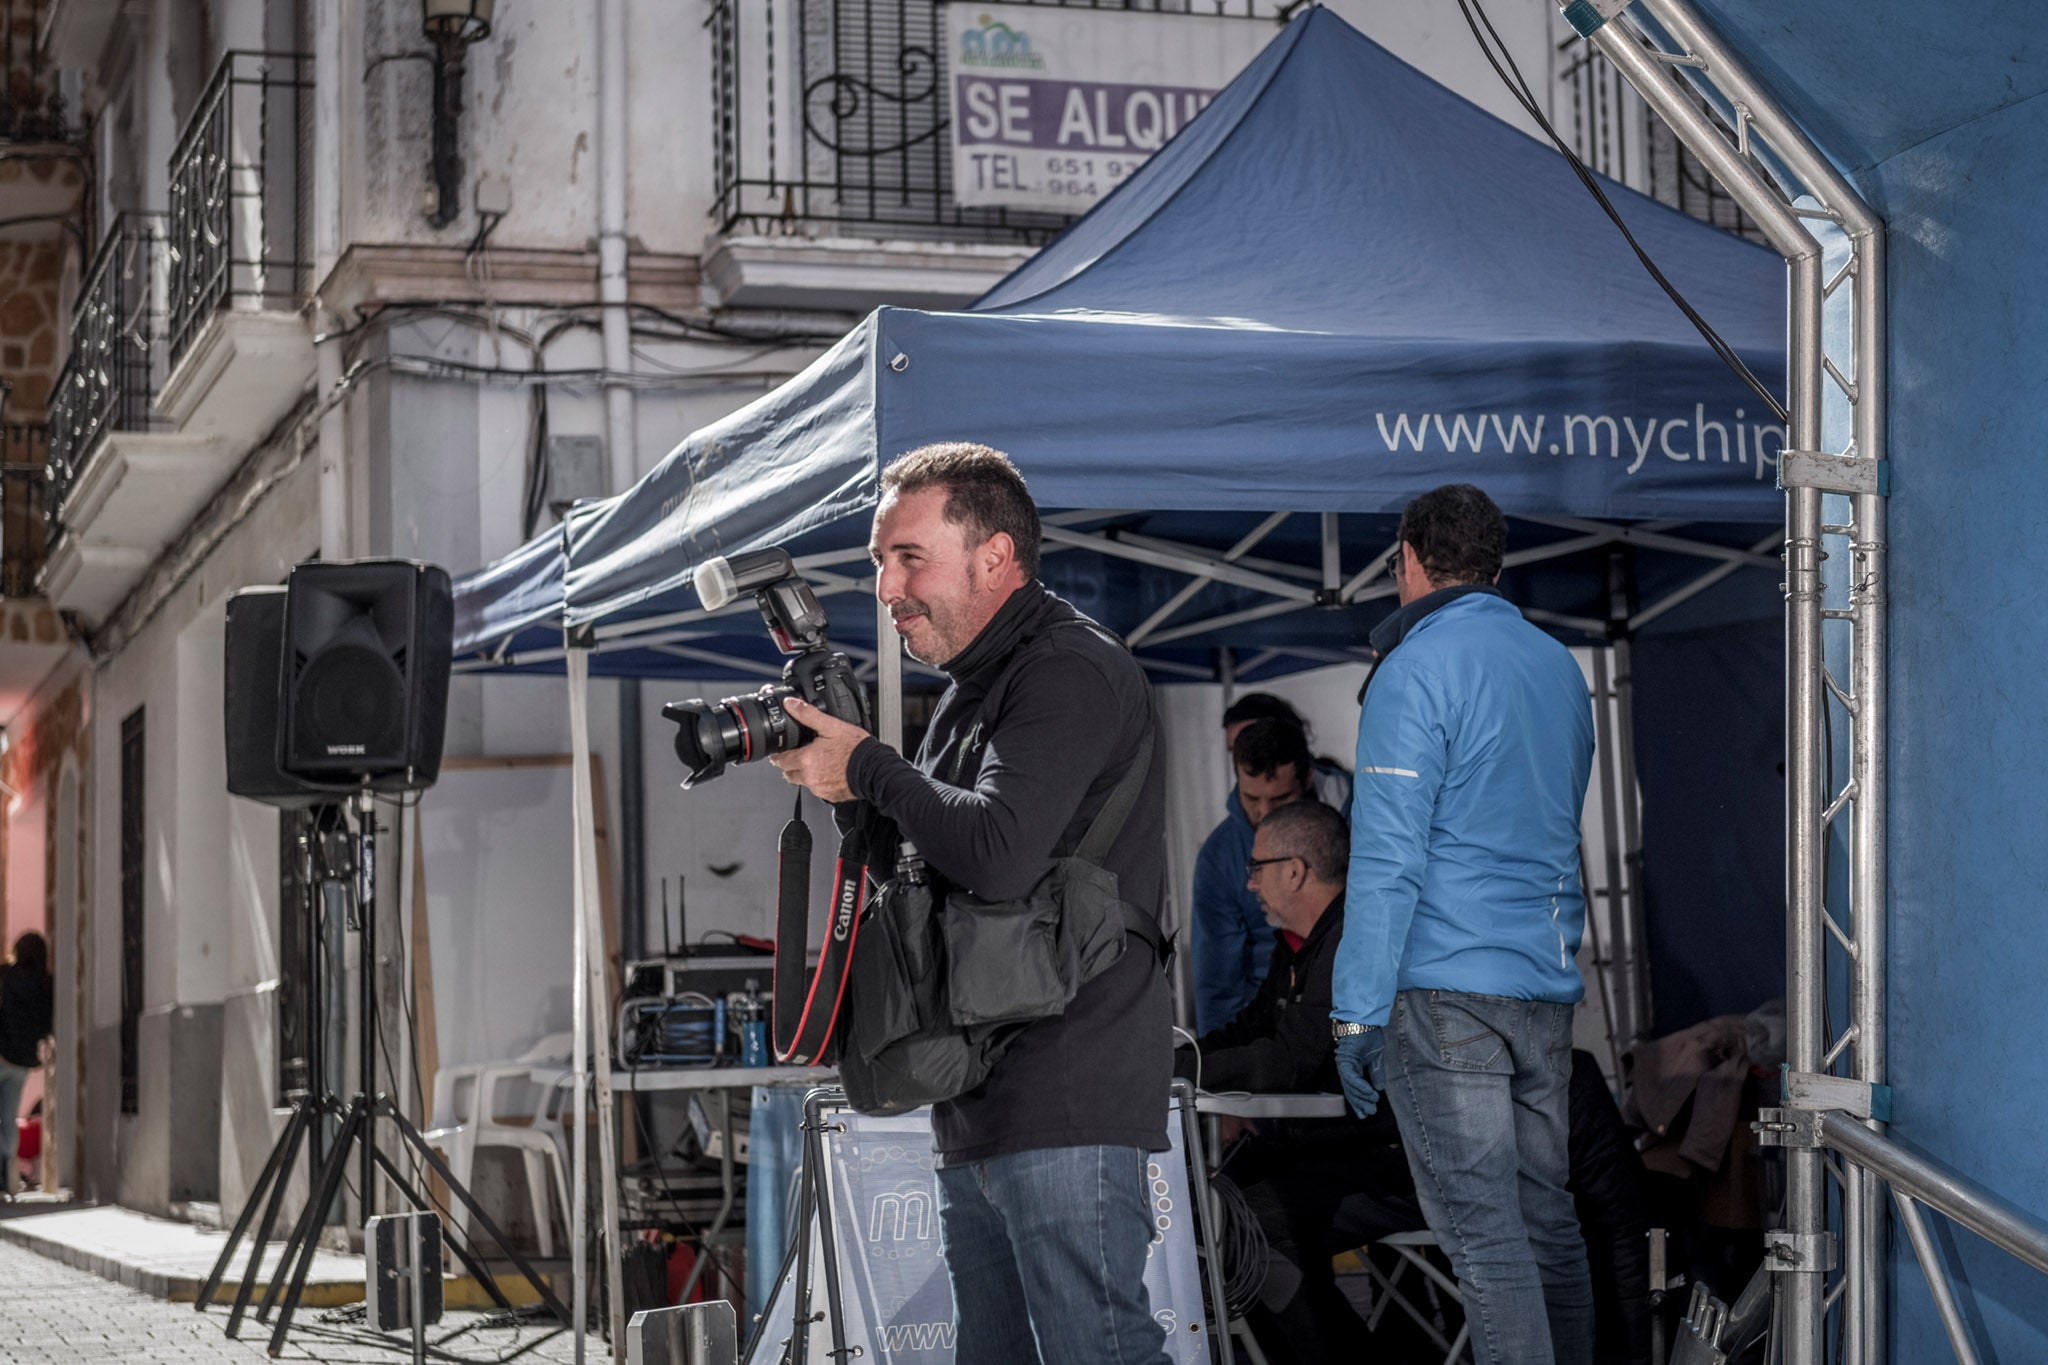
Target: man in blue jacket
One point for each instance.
(1455, 978)
(1232, 943)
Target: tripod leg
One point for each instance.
(483, 1220)
(311, 1218)
(457, 1244)
(323, 1197)
(277, 1168)
(302, 1119)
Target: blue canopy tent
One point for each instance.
(1237, 404)
(1338, 287)
(1423, 294)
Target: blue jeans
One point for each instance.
(1048, 1247)
(1479, 1086)
(12, 1079)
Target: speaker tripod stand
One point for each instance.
(313, 1107)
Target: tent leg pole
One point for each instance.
(1635, 929)
(1616, 939)
(596, 995)
(579, 1008)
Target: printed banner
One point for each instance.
(897, 1301)
(1054, 107)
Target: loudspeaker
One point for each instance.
(255, 660)
(363, 694)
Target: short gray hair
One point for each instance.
(1312, 832)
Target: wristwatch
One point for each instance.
(1340, 1028)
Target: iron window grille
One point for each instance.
(830, 117)
(24, 450)
(115, 365)
(238, 186)
(31, 105)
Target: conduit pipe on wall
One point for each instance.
(611, 240)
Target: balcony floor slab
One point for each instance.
(242, 373)
(139, 489)
(852, 275)
(91, 580)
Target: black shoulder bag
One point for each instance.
(941, 984)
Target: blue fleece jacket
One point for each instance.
(1474, 747)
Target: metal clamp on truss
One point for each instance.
(1805, 1090)
(1799, 1250)
(1586, 16)
(1788, 1127)
(1834, 473)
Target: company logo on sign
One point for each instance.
(996, 44)
(345, 750)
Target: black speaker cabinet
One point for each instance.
(363, 694)
(255, 661)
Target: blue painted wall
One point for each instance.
(1938, 111)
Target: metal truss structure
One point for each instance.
(1835, 478)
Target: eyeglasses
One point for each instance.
(1252, 865)
(1393, 564)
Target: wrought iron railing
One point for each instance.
(830, 116)
(116, 360)
(31, 106)
(238, 193)
(23, 452)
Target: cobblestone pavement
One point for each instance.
(52, 1313)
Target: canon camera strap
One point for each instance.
(805, 1016)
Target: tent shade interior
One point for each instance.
(1236, 404)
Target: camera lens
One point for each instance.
(733, 730)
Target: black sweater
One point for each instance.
(1280, 1043)
(1041, 759)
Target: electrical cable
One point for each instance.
(1194, 1043)
(1240, 1240)
(1519, 89)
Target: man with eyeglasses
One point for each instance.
(1296, 1173)
(1455, 978)
(1233, 939)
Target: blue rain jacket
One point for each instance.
(1474, 746)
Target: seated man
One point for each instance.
(1233, 943)
(1322, 1186)
(1296, 1174)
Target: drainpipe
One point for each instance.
(611, 239)
(329, 26)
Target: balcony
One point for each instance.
(237, 256)
(24, 450)
(832, 173)
(833, 170)
(118, 486)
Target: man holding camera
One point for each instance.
(1455, 978)
(1044, 1208)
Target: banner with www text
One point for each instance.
(1054, 107)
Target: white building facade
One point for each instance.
(321, 316)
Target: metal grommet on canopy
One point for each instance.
(899, 362)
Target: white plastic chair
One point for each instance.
(470, 1113)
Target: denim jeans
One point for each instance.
(12, 1079)
(1048, 1247)
(1479, 1086)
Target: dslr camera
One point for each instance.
(709, 735)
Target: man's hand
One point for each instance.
(820, 766)
(1360, 1070)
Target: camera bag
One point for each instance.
(940, 981)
